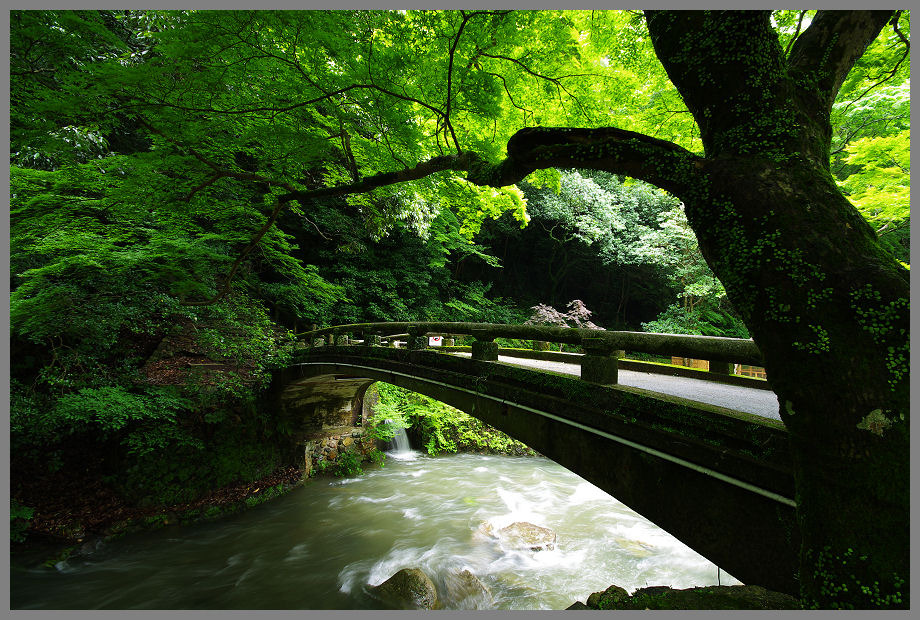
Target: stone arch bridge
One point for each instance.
(716, 478)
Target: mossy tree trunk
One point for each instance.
(826, 304)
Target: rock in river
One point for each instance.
(523, 535)
(408, 588)
(466, 591)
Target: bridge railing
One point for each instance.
(602, 348)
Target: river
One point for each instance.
(319, 546)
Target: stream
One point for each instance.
(321, 545)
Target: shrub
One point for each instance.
(20, 517)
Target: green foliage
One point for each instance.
(232, 454)
(705, 321)
(600, 210)
(377, 457)
(265, 495)
(388, 416)
(870, 156)
(703, 308)
(20, 516)
(881, 187)
(442, 428)
(346, 465)
(843, 584)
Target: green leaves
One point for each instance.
(881, 188)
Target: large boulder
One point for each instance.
(707, 597)
(464, 590)
(408, 588)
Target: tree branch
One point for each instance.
(798, 29)
(225, 289)
(659, 162)
(450, 75)
(823, 55)
(275, 110)
(441, 163)
(619, 151)
(894, 71)
(557, 81)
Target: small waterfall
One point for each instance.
(400, 442)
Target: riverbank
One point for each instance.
(76, 507)
(71, 509)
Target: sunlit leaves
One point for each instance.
(871, 146)
(881, 188)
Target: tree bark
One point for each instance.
(825, 303)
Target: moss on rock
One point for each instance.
(707, 597)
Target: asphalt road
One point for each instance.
(759, 402)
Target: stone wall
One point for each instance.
(332, 447)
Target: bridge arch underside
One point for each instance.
(716, 480)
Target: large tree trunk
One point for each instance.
(829, 310)
(826, 304)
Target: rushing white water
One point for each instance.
(324, 545)
(399, 446)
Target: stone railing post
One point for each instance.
(330, 339)
(722, 368)
(540, 345)
(599, 364)
(417, 339)
(484, 347)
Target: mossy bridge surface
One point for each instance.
(716, 478)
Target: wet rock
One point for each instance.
(90, 547)
(524, 535)
(635, 548)
(408, 588)
(613, 594)
(347, 441)
(707, 597)
(464, 590)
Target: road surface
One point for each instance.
(749, 400)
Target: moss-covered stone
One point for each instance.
(707, 597)
(408, 588)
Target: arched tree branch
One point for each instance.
(659, 162)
